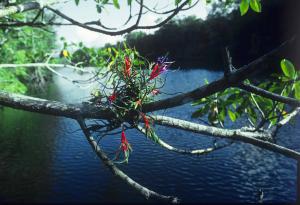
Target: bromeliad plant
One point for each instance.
(130, 82)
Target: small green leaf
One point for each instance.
(99, 8)
(287, 68)
(199, 102)
(244, 6)
(297, 90)
(116, 4)
(129, 2)
(255, 5)
(231, 115)
(76, 2)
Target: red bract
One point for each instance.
(124, 142)
(112, 98)
(155, 72)
(127, 67)
(146, 121)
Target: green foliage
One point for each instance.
(244, 6)
(22, 45)
(288, 68)
(255, 5)
(236, 103)
(297, 90)
(116, 4)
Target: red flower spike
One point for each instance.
(146, 121)
(112, 98)
(155, 72)
(124, 142)
(127, 67)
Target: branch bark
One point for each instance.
(55, 108)
(273, 96)
(27, 6)
(183, 151)
(147, 193)
(237, 134)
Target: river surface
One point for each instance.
(47, 159)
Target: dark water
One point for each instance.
(47, 159)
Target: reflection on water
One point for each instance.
(47, 159)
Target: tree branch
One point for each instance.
(38, 105)
(30, 65)
(233, 79)
(126, 30)
(27, 6)
(183, 151)
(147, 193)
(237, 134)
(273, 96)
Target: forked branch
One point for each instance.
(147, 193)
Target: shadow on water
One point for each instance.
(47, 159)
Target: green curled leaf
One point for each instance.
(287, 68)
(116, 4)
(244, 6)
(255, 5)
(231, 115)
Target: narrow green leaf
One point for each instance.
(255, 5)
(199, 102)
(76, 2)
(116, 4)
(231, 115)
(129, 2)
(287, 68)
(244, 6)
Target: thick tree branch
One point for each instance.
(233, 79)
(237, 134)
(60, 109)
(55, 108)
(141, 189)
(273, 96)
(50, 107)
